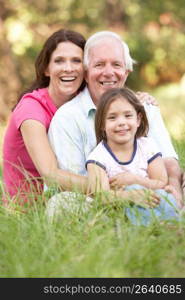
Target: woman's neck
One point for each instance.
(57, 98)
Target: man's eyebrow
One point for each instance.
(99, 60)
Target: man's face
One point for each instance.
(106, 68)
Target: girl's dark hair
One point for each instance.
(42, 61)
(105, 101)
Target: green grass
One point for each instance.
(100, 243)
(97, 243)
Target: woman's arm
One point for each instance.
(37, 144)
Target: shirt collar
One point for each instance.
(88, 105)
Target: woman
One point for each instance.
(27, 156)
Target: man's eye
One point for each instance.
(98, 65)
(118, 65)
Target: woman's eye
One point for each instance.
(58, 60)
(77, 60)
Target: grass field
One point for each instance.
(100, 242)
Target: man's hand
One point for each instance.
(146, 98)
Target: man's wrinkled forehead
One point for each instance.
(109, 43)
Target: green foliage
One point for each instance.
(154, 31)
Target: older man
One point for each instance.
(107, 63)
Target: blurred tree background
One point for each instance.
(154, 31)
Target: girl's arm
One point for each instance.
(98, 182)
(157, 176)
(97, 179)
(37, 144)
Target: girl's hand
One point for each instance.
(119, 181)
(146, 98)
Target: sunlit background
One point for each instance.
(154, 31)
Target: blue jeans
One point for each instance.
(166, 210)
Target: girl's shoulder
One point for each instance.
(98, 148)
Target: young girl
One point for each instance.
(126, 158)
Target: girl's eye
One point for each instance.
(111, 118)
(128, 116)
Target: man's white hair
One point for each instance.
(97, 38)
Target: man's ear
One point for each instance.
(126, 75)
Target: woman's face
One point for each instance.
(65, 70)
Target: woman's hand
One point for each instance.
(143, 197)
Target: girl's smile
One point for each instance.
(121, 123)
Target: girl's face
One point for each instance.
(121, 122)
(65, 70)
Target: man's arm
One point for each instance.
(175, 179)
